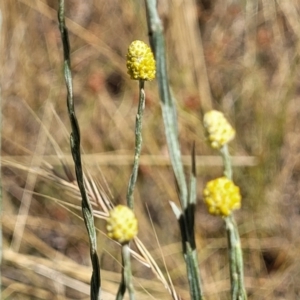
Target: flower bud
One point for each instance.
(122, 225)
(222, 196)
(218, 130)
(140, 61)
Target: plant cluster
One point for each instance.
(221, 195)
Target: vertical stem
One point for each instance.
(127, 270)
(86, 207)
(186, 221)
(157, 42)
(138, 145)
(126, 281)
(238, 291)
(226, 161)
(236, 260)
(193, 273)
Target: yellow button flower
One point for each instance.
(218, 130)
(222, 196)
(140, 61)
(122, 225)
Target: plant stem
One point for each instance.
(138, 145)
(193, 273)
(238, 291)
(226, 161)
(126, 281)
(186, 218)
(75, 149)
(157, 42)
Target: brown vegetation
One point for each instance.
(240, 57)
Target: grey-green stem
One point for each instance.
(87, 210)
(126, 282)
(157, 41)
(226, 161)
(186, 218)
(138, 145)
(238, 291)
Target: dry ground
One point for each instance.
(241, 57)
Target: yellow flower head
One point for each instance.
(140, 61)
(222, 196)
(219, 132)
(122, 225)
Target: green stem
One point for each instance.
(226, 161)
(193, 273)
(138, 145)
(75, 149)
(238, 291)
(126, 281)
(167, 101)
(186, 219)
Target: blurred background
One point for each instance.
(239, 57)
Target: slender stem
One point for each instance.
(126, 281)
(138, 145)
(190, 251)
(75, 149)
(122, 286)
(186, 220)
(167, 101)
(193, 273)
(226, 161)
(238, 291)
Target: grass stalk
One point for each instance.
(75, 149)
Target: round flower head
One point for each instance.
(140, 61)
(219, 132)
(222, 196)
(122, 225)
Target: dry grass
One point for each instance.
(251, 52)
